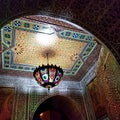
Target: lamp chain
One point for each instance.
(47, 58)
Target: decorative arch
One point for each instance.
(67, 107)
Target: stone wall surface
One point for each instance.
(27, 97)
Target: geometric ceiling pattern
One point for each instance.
(25, 45)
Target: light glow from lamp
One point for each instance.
(46, 39)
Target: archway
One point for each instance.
(58, 107)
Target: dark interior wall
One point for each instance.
(6, 102)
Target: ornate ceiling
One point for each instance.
(101, 18)
(25, 44)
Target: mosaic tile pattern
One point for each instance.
(107, 79)
(21, 50)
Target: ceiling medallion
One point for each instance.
(48, 76)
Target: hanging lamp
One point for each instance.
(48, 76)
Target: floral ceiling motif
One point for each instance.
(25, 45)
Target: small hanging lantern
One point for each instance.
(48, 76)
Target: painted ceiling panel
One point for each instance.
(25, 45)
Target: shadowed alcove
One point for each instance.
(58, 108)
